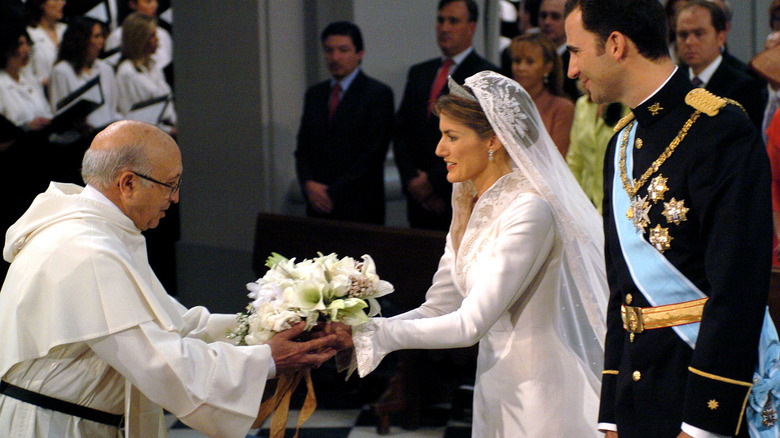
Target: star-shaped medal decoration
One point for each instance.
(713, 404)
(660, 238)
(638, 213)
(657, 188)
(769, 415)
(675, 211)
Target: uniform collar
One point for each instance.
(664, 100)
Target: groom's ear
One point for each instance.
(617, 45)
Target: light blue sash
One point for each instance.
(661, 283)
(658, 280)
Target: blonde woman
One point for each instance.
(138, 77)
(538, 68)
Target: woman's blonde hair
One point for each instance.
(554, 82)
(137, 30)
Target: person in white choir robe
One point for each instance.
(164, 54)
(22, 101)
(138, 77)
(86, 321)
(522, 271)
(46, 31)
(78, 63)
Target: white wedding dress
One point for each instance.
(510, 280)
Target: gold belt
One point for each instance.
(639, 319)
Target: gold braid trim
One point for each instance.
(727, 380)
(719, 378)
(734, 102)
(615, 372)
(623, 122)
(704, 101)
(633, 188)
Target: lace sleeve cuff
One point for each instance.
(367, 351)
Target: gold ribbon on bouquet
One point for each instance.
(279, 404)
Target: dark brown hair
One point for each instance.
(467, 112)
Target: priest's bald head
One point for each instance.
(138, 167)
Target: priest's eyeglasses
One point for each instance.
(174, 187)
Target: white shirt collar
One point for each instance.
(707, 73)
(346, 81)
(457, 59)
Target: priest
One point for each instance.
(91, 343)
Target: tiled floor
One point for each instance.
(343, 408)
(351, 423)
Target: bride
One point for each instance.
(522, 272)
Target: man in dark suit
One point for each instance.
(423, 174)
(701, 34)
(344, 135)
(551, 25)
(688, 278)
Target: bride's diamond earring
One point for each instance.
(490, 155)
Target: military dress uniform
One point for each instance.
(707, 209)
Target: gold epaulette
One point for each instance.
(623, 122)
(704, 101)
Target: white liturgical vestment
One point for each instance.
(85, 320)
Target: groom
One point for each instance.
(688, 231)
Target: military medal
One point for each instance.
(660, 238)
(675, 211)
(769, 415)
(657, 188)
(639, 212)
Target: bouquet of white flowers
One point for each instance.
(325, 288)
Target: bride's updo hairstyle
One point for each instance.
(465, 111)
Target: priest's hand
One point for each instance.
(683, 435)
(611, 434)
(343, 334)
(289, 354)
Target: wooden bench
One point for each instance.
(406, 258)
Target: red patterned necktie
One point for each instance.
(334, 101)
(438, 84)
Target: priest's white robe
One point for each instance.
(85, 320)
(497, 284)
